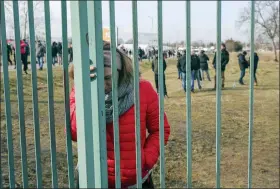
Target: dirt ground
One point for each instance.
(234, 141)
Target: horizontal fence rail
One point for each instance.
(90, 112)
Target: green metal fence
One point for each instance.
(87, 18)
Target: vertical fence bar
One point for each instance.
(35, 95)
(218, 95)
(136, 93)
(20, 96)
(83, 99)
(66, 94)
(115, 93)
(97, 96)
(161, 96)
(9, 126)
(251, 97)
(50, 93)
(188, 94)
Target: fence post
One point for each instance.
(218, 95)
(115, 93)
(35, 95)
(82, 99)
(136, 94)
(66, 93)
(20, 95)
(251, 95)
(9, 126)
(97, 95)
(161, 94)
(188, 94)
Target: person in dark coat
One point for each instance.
(155, 70)
(178, 57)
(203, 59)
(54, 52)
(70, 51)
(224, 62)
(59, 53)
(243, 65)
(181, 66)
(9, 53)
(256, 62)
(195, 67)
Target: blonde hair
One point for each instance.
(125, 74)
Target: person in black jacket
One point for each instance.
(70, 51)
(224, 62)
(243, 65)
(9, 53)
(181, 66)
(203, 59)
(54, 52)
(59, 53)
(178, 57)
(155, 70)
(256, 62)
(195, 67)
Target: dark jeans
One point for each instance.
(242, 74)
(164, 85)
(24, 61)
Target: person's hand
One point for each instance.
(92, 75)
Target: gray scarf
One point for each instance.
(125, 97)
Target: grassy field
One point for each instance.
(234, 141)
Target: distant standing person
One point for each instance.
(243, 65)
(181, 66)
(155, 70)
(59, 53)
(23, 55)
(70, 51)
(40, 52)
(178, 57)
(224, 62)
(9, 53)
(54, 53)
(256, 62)
(203, 59)
(195, 67)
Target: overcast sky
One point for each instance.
(203, 19)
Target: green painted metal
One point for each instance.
(66, 94)
(50, 94)
(136, 94)
(83, 99)
(20, 96)
(8, 115)
(188, 94)
(161, 95)
(115, 94)
(218, 95)
(97, 95)
(251, 95)
(35, 95)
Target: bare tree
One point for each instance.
(266, 20)
(23, 16)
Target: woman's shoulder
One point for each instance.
(145, 84)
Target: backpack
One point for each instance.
(27, 50)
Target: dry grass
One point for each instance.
(234, 142)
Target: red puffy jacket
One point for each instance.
(149, 119)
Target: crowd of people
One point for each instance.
(199, 66)
(40, 53)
